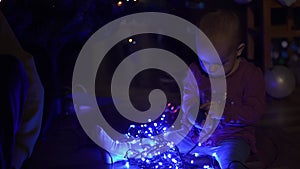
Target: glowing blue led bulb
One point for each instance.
(174, 160)
(206, 166)
(192, 161)
(127, 164)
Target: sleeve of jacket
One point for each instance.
(250, 108)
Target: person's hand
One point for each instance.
(118, 149)
(213, 110)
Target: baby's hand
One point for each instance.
(213, 110)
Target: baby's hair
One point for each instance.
(222, 24)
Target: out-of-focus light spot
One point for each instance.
(135, 0)
(130, 40)
(284, 44)
(192, 161)
(120, 3)
(127, 165)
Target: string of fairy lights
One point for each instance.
(121, 3)
(161, 153)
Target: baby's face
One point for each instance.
(215, 69)
(227, 57)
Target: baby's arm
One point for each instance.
(250, 108)
(190, 101)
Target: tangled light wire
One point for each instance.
(158, 152)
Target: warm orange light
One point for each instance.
(120, 3)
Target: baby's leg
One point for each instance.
(231, 154)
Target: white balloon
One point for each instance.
(280, 81)
(287, 2)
